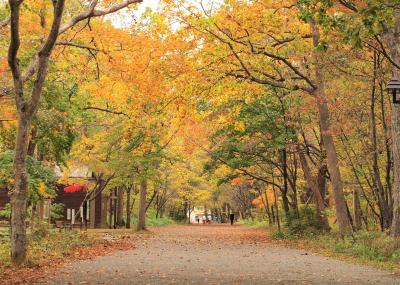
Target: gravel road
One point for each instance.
(215, 254)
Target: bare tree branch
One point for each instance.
(44, 56)
(71, 44)
(89, 13)
(349, 5)
(106, 110)
(13, 61)
(93, 12)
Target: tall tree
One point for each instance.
(275, 58)
(141, 224)
(27, 105)
(393, 43)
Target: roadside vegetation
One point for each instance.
(373, 248)
(47, 245)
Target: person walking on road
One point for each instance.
(232, 218)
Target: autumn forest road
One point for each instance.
(215, 255)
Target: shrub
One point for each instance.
(40, 230)
(57, 211)
(370, 246)
(304, 223)
(5, 213)
(279, 234)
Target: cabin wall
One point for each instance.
(4, 199)
(70, 200)
(98, 210)
(74, 201)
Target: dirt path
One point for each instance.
(215, 255)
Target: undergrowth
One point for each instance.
(304, 231)
(254, 223)
(376, 246)
(164, 221)
(151, 220)
(46, 243)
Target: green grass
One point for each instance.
(165, 221)
(253, 223)
(374, 246)
(152, 221)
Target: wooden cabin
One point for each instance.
(93, 212)
(4, 200)
(93, 208)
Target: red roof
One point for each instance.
(75, 188)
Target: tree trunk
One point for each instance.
(378, 186)
(141, 225)
(276, 208)
(327, 138)
(128, 207)
(28, 105)
(189, 213)
(19, 195)
(395, 228)
(115, 208)
(285, 201)
(120, 206)
(162, 212)
(33, 215)
(357, 209)
(32, 142)
(273, 213)
(26, 109)
(267, 209)
(389, 164)
(157, 206)
(111, 211)
(319, 202)
(321, 182)
(393, 42)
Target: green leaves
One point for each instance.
(135, 141)
(40, 177)
(354, 22)
(266, 126)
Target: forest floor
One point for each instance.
(215, 254)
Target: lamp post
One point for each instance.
(394, 87)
